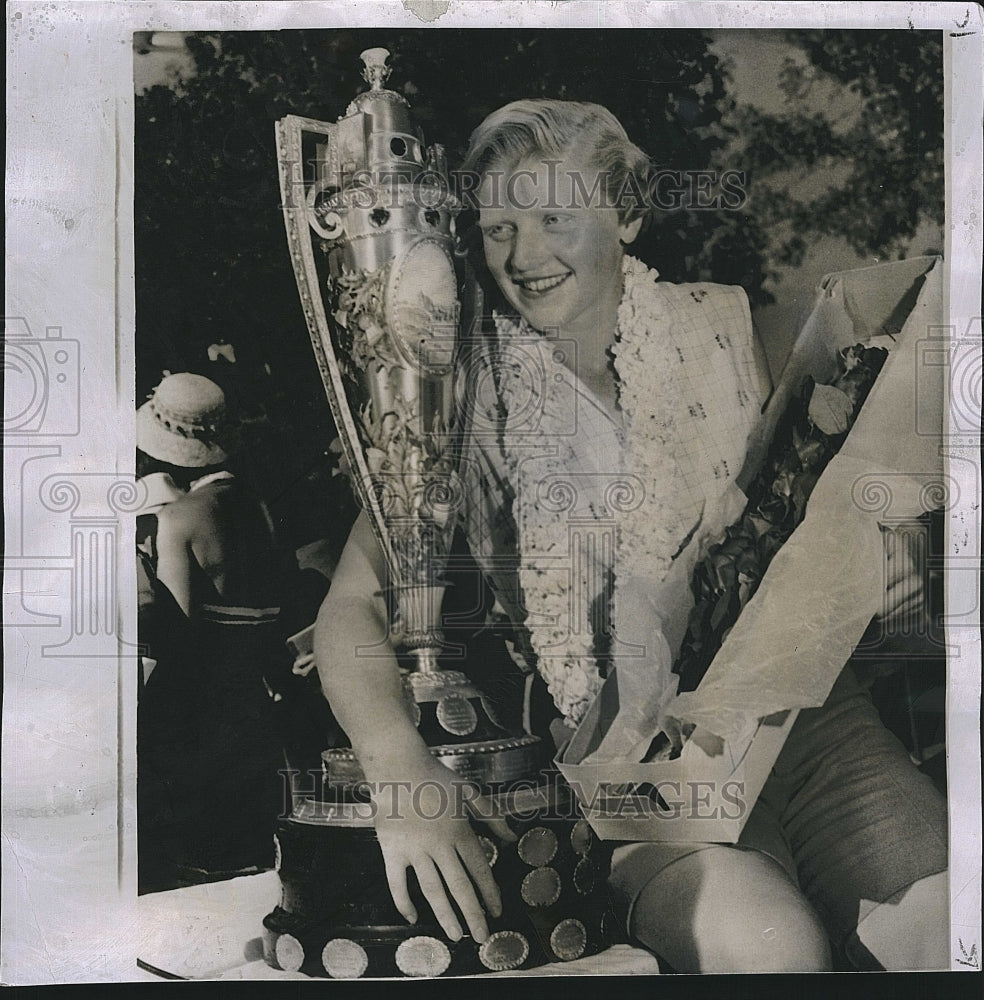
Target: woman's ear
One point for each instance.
(628, 231)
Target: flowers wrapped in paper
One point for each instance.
(696, 773)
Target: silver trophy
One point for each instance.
(371, 234)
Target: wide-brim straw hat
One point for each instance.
(184, 422)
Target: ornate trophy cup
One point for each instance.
(371, 236)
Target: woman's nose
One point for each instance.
(528, 250)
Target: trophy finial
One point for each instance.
(376, 72)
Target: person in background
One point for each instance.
(158, 616)
(209, 740)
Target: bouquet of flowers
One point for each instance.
(810, 433)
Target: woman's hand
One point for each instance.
(422, 822)
(422, 808)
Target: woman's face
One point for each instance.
(552, 246)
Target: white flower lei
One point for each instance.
(646, 362)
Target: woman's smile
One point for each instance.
(538, 287)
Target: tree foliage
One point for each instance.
(886, 145)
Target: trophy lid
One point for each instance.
(375, 72)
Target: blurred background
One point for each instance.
(839, 135)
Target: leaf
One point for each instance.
(721, 609)
(802, 488)
(830, 409)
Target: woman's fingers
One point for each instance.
(433, 889)
(483, 809)
(501, 829)
(451, 867)
(396, 876)
(461, 889)
(477, 864)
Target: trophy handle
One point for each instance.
(297, 220)
(327, 224)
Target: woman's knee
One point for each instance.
(785, 937)
(725, 910)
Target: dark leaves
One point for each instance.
(889, 147)
(726, 579)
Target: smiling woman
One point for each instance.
(555, 225)
(558, 267)
(581, 506)
(601, 376)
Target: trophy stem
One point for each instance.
(426, 658)
(420, 612)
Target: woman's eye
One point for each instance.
(553, 221)
(497, 233)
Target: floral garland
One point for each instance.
(648, 536)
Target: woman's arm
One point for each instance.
(174, 557)
(421, 813)
(356, 662)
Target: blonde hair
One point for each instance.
(555, 129)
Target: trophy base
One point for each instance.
(336, 917)
(493, 763)
(458, 724)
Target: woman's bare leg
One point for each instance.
(723, 909)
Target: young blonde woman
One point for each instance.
(656, 386)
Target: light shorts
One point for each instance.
(845, 813)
